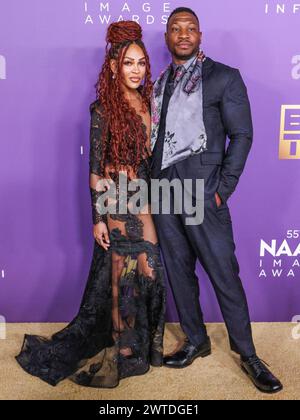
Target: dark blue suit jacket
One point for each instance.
(226, 113)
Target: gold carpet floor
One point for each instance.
(215, 377)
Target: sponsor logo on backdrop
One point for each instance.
(289, 142)
(281, 257)
(105, 12)
(2, 67)
(282, 8)
(296, 67)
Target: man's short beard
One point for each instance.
(184, 56)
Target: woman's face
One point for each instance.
(133, 67)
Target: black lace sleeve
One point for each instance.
(96, 133)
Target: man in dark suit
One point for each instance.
(224, 111)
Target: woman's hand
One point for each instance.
(101, 235)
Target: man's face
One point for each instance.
(183, 36)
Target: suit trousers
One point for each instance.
(212, 243)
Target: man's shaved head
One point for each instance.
(180, 10)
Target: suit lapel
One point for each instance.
(207, 67)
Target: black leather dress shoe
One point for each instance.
(187, 354)
(260, 375)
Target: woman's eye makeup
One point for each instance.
(128, 63)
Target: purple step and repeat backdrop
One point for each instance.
(50, 56)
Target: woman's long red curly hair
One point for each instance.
(124, 138)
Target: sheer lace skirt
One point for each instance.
(118, 331)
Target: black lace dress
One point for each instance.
(118, 331)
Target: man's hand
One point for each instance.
(101, 235)
(218, 199)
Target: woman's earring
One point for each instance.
(114, 76)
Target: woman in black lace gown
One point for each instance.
(118, 331)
